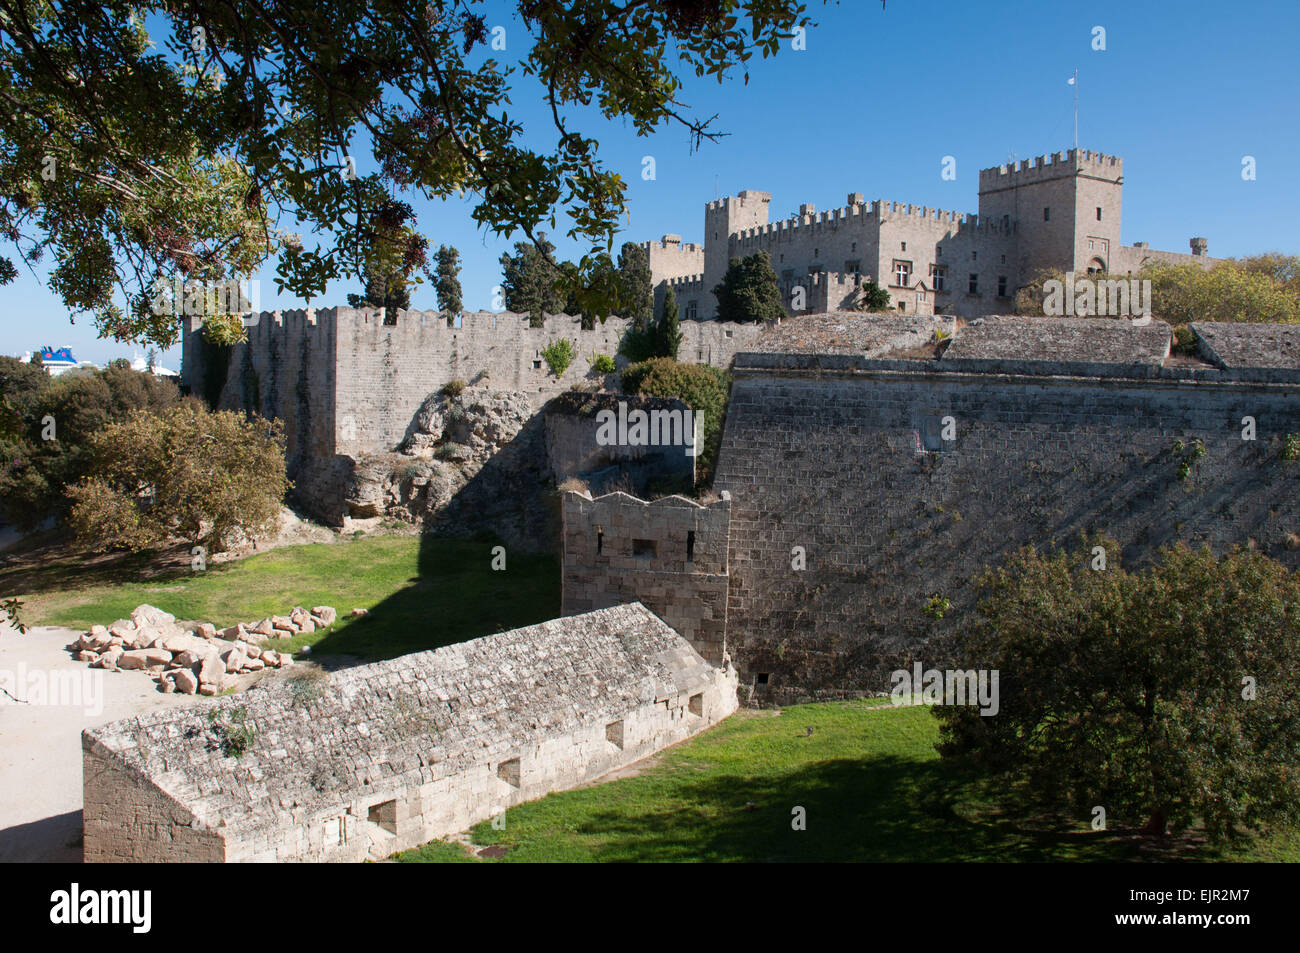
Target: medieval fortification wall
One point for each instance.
(349, 381)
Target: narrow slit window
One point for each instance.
(690, 546)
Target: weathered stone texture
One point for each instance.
(850, 464)
(383, 757)
(573, 450)
(670, 555)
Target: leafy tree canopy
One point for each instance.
(160, 139)
(749, 290)
(1165, 696)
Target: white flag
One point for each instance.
(1070, 81)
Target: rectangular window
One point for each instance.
(902, 273)
(385, 815)
(690, 546)
(853, 267)
(973, 286)
(508, 771)
(938, 251)
(1099, 213)
(696, 704)
(936, 277)
(1002, 286)
(1047, 214)
(904, 244)
(644, 547)
(691, 310)
(787, 274)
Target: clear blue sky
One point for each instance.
(1182, 92)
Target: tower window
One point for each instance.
(690, 546)
(973, 286)
(904, 244)
(902, 273)
(936, 277)
(1047, 214)
(1099, 213)
(1002, 286)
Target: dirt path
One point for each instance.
(40, 742)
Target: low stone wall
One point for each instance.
(383, 757)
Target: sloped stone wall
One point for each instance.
(849, 464)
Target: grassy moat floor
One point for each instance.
(867, 777)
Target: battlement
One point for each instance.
(673, 243)
(745, 196)
(670, 554)
(1054, 165)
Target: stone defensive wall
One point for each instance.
(370, 760)
(1051, 166)
(349, 381)
(670, 554)
(902, 478)
(574, 448)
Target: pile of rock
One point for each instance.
(197, 660)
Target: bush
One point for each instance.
(185, 472)
(558, 356)
(452, 388)
(704, 389)
(603, 364)
(638, 346)
(1167, 695)
(34, 471)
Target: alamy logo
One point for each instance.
(198, 299)
(71, 688)
(1109, 297)
(75, 906)
(639, 428)
(951, 687)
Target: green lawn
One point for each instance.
(421, 592)
(868, 777)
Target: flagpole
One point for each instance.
(1075, 84)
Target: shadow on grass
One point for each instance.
(53, 560)
(877, 809)
(455, 596)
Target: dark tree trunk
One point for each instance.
(1156, 824)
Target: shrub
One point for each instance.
(638, 346)
(453, 388)
(1184, 340)
(703, 388)
(185, 472)
(603, 364)
(558, 356)
(1167, 695)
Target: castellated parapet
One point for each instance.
(378, 758)
(349, 381)
(670, 555)
(1060, 211)
(1052, 166)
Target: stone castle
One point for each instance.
(1060, 211)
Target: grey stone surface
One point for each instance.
(373, 759)
(1249, 347)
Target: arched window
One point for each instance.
(1096, 266)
